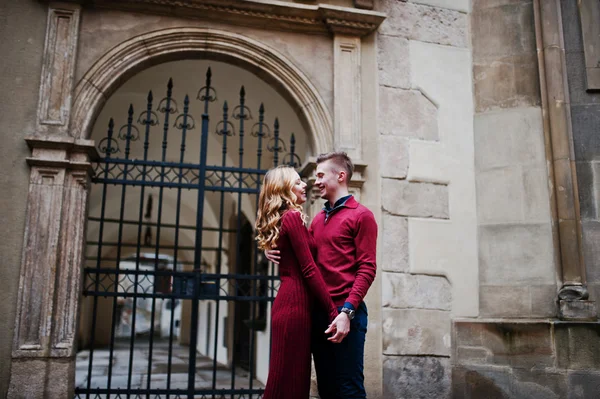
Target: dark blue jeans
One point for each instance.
(340, 366)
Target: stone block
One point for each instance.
(394, 244)
(474, 382)
(585, 120)
(591, 249)
(577, 310)
(393, 61)
(583, 384)
(571, 27)
(424, 23)
(588, 179)
(538, 384)
(458, 5)
(526, 345)
(506, 82)
(404, 198)
(42, 378)
(509, 137)
(504, 301)
(393, 156)
(416, 332)
(488, 383)
(536, 194)
(543, 300)
(401, 291)
(576, 75)
(503, 31)
(482, 4)
(587, 197)
(578, 345)
(500, 196)
(420, 377)
(407, 113)
(512, 253)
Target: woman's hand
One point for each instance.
(273, 255)
(341, 326)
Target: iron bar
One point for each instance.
(225, 133)
(167, 111)
(148, 122)
(111, 125)
(198, 252)
(238, 260)
(128, 138)
(164, 225)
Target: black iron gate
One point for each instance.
(154, 261)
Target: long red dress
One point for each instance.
(302, 286)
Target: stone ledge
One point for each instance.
(274, 14)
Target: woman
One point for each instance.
(280, 223)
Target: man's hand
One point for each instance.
(273, 255)
(341, 326)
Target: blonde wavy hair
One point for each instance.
(275, 198)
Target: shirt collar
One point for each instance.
(338, 204)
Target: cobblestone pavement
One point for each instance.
(159, 369)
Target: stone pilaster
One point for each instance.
(58, 68)
(347, 95)
(43, 354)
(49, 285)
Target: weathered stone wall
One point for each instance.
(22, 27)
(526, 359)
(585, 117)
(516, 255)
(428, 255)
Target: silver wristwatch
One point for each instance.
(349, 312)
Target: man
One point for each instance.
(346, 236)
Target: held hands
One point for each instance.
(273, 255)
(340, 326)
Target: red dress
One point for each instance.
(301, 286)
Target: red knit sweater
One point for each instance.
(347, 246)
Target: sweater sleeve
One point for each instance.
(299, 239)
(365, 241)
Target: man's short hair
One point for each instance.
(340, 159)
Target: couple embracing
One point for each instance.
(325, 274)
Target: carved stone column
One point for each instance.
(573, 294)
(43, 356)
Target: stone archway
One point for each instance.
(48, 301)
(142, 51)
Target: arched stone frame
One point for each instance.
(139, 52)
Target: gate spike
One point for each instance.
(170, 84)
(262, 108)
(242, 92)
(150, 96)
(208, 76)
